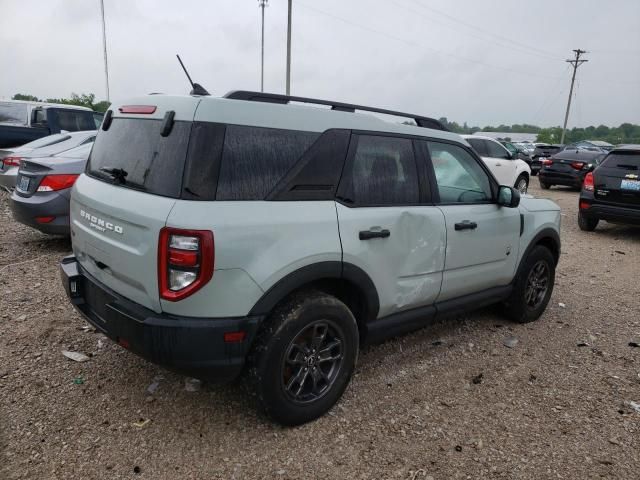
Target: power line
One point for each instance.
(576, 62)
(507, 44)
(423, 46)
(486, 32)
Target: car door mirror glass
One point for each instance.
(508, 197)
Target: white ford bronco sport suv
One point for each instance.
(256, 233)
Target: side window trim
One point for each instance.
(341, 194)
(432, 173)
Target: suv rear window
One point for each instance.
(623, 160)
(152, 163)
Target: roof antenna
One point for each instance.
(196, 88)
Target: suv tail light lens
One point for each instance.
(588, 182)
(12, 161)
(185, 262)
(577, 165)
(53, 183)
(546, 161)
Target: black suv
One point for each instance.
(612, 191)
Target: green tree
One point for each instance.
(22, 96)
(83, 100)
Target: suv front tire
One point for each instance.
(304, 357)
(533, 286)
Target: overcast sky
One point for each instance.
(484, 62)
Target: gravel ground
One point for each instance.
(450, 401)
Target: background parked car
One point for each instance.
(52, 145)
(591, 145)
(568, 168)
(541, 152)
(517, 151)
(612, 191)
(21, 122)
(507, 170)
(41, 197)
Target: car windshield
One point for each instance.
(78, 152)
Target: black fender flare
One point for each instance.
(316, 272)
(543, 234)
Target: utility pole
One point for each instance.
(104, 48)
(288, 90)
(576, 62)
(262, 4)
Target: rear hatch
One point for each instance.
(617, 179)
(133, 177)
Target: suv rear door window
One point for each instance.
(382, 172)
(152, 163)
(254, 159)
(459, 177)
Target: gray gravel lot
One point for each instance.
(449, 401)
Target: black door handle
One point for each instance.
(369, 234)
(466, 225)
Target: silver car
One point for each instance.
(41, 197)
(43, 147)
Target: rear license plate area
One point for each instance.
(24, 184)
(633, 185)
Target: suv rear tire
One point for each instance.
(304, 357)
(587, 224)
(533, 286)
(544, 186)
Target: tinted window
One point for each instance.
(254, 159)
(13, 113)
(382, 172)
(73, 121)
(478, 145)
(626, 160)
(459, 177)
(152, 163)
(496, 150)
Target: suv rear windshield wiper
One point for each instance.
(118, 174)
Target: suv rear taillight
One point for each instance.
(53, 183)
(12, 161)
(546, 161)
(185, 262)
(588, 182)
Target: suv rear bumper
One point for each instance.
(193, 346)
(609, 212)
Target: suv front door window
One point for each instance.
(482, 237)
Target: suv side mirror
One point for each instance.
(508, 197)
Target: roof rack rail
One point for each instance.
(421, 121)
